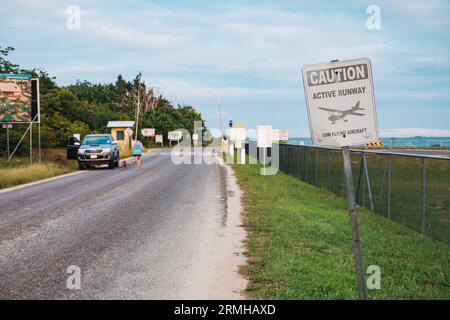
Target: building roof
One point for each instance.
(9, 87)
(120, 124)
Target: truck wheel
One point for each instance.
(116, 163)
(81, 166)
(111, 164)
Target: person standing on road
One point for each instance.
(137, 153)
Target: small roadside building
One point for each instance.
(118, 132)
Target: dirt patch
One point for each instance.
(230, 278)
(215, 272)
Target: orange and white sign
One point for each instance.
(148, 132)
(280, 135)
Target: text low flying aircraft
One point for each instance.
(341, 114)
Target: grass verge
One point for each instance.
(299, 245)
(13, 176)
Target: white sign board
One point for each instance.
(264, 136)
(148, 132)
(174, 135)
(159, 138)
(195, 137)
(340, 102)
(231, 133)
(239, 136)
(280, 135)
(128, 132)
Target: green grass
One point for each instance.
(18, 170)
(406, 185)
(299, 245)
(12, 176)
(125, 154)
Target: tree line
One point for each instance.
(86, 107)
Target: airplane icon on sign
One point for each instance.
(341, 114)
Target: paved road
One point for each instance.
(144, 233)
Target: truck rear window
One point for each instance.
(96, 140)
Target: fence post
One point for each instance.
(291, 153)
(382, 184)
(369, 189)
(329, 170)
(389, 188)
(281, 155)
(316, 168)
(424, 191)
(306, 164)
(361, 164)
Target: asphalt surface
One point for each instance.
(134, 234)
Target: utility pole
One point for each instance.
(220, 116)
(138, 111)
(221, 125)
(144, 100)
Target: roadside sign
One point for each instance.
(280, 135)
(148, 132)
(174, 135)
(341, 111)
(264, 136)
(128, 132)
(232, 133)
(340, 103)
(375, 144)
(239, 137)
(159, 138)
(7, 126)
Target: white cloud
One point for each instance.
(134, 36)
(428, 13)
(413, 95)
(414, 132)
(185, 90)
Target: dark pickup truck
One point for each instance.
(95, 149)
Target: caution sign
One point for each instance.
(375, 144)
(340, 102)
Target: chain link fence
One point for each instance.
(413, 190)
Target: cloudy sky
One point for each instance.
(247, 53)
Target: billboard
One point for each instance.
(19, 98)
(148, 132)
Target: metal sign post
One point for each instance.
(31, 142)
(7, 126)
(7, 138)
(354, 223)
(341, 111)
(264, 141)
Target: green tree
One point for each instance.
(5, 65)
